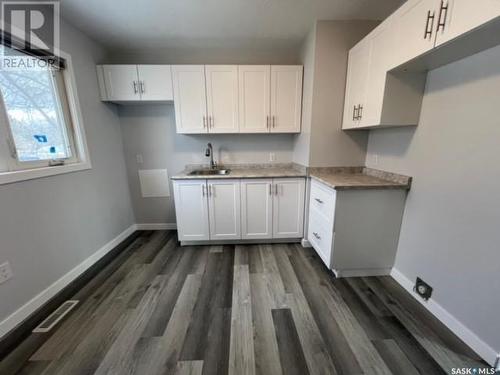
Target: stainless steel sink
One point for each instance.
(209, 172)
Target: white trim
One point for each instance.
(305, 243)
(30, 174)
(36, 302)
(458, 328)
(156, 226)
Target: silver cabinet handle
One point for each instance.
(267, 122)
(429, 18)
(354, 113)
(317, 235)
(270, 189)
(360, 112)
(135, 87)
(276, 189)
(318, 200)
(204, 121)
(442, 24)
(142, 86)
(274, 121)
(202, 190)
(209, 190)
(211, 121)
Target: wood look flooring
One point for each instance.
(159, 308)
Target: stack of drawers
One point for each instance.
(321, 220)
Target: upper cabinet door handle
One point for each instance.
(318, 200)
(135, 87)
(354, 117)
(204, 121)
(442, 21)
(267, 121)
(428, 31)
(211, 121)
(142, 86)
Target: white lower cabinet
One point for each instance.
(191, 210)
(246, 209)
(288, 207)
(224, 209)
(256, 209)
(347, 232)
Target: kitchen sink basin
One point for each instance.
(210, 172)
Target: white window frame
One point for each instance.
(80, 159)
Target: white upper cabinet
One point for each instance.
(288, 207)
(357, 74)
(286, 98)
(190, 98)
(222, 98)
(414, 29)
(155, 82)
(123, 83)
(457, 17)
(254, 98)
(256, 209)
(191, 208)
(120, 82)
(224, 209)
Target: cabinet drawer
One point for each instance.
(320, 236)
(322, 199)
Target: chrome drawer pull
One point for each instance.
(318, 200)
(317, 235)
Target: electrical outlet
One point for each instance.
(139, 158)
(5, 272)
(423, 289)
(272, 156)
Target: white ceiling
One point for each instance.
(121, 24)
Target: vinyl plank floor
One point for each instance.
(159, 308)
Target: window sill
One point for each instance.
(30, 174)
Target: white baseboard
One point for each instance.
(156, 226)
(36, 302)
(466, 335)
(305, 243)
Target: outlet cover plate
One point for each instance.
(5, 272)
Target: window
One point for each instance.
(37, 125)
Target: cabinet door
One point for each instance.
(460, 16)
(411, 25)
(155, 82)
(224, 209)
(286, 98)
(256, 209)
(381, 51)
(191, 208)
(288, 207)
(121, 82)
(190, 99)
(357, 74)
(254, 97)
(222, 98)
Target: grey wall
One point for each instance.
(302, 141)
(322, 142)
(50, 225)
(330, 146)
(150, 129)
(450, 234)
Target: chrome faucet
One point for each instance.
(209, 152)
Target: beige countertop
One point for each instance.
(359, 178)
(246, 171)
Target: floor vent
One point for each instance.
(55, 317)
